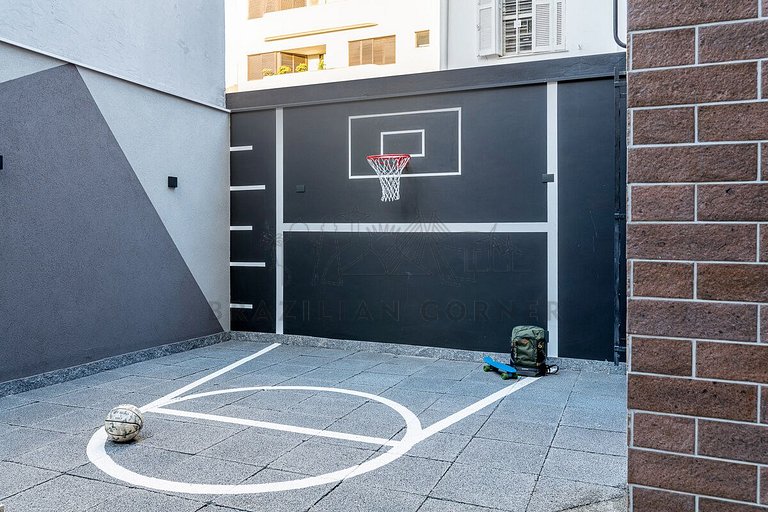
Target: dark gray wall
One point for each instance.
(446, 289)
(88, 268)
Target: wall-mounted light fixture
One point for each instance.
(173, 181)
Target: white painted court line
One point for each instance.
(241, 188)
(380, 441)
(414, 434)
(472, 409)
(199, 382)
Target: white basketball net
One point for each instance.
(389, 168)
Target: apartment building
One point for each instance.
(276, 43)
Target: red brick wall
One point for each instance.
(697, 244)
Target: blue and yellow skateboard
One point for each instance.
(506, 371)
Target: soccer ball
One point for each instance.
(123, 423)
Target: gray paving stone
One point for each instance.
(351, 496)
(324, 377)
(143, 500)
(478, 389)
(603, 403)
(11, 401)
(73, 422)
(586, 467)
(371, 382)
(372, 419)
(15, 478)
(441, 446)
(467, 426)
(283, 501)
(529, 411)
(416, 401)
(586, 417)
(555, 494)
(399, 366)
(589, 440)
(505, 428)
(197, 469)
(332, 405)
(435, 505)
(184, 437)
(407, 474)
(449, 370)
(57, 389)
(33, 414)
(273, 400)
(524, 458)
(316, 457)
(152, 369)
(66, 453)
(433, 384)
(299, 419)
(20, 440)
(62, 494)
(252, 446)
(485, 486)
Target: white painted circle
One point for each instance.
(98, 455)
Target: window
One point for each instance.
(258, 63)
(515, 27)
(422, 38)
(258, 8)
(379, 50)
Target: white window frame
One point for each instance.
(545, 36)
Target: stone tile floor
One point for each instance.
(556, 444)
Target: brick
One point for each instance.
(647, 14)
(656, 279)
(694, 475)
(692, 242)
(664, 356)
(763, 404)
(734, 441)
(663, 202)
(726, 82)
(653, 500)
(765, 77)
(763, 242)
(688, 319)
(764, 147)
(764, 488)
(709, 505)
(747, 283)
(732, 361)
(692, 397)
(764, 323)
(741, 121)
(693, 163)
(663, 49)
(733, 41)
(747, 202)
(668, 433)
(663, 126)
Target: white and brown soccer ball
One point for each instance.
(123, 423)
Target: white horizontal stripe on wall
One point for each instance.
(247, 187)
(259, 264)
(240, 148)
(416, 227)
(241, 306)
(241, 228)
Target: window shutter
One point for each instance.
(488, 27)
(559, 24)
(354, 53)
(256, 9)
(542, 25)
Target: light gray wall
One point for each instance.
(164, 136)
(174, 45)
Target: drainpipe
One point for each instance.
(616, 25)
(444, 6)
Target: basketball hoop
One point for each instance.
(389, 168)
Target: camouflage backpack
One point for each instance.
(529, 351)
